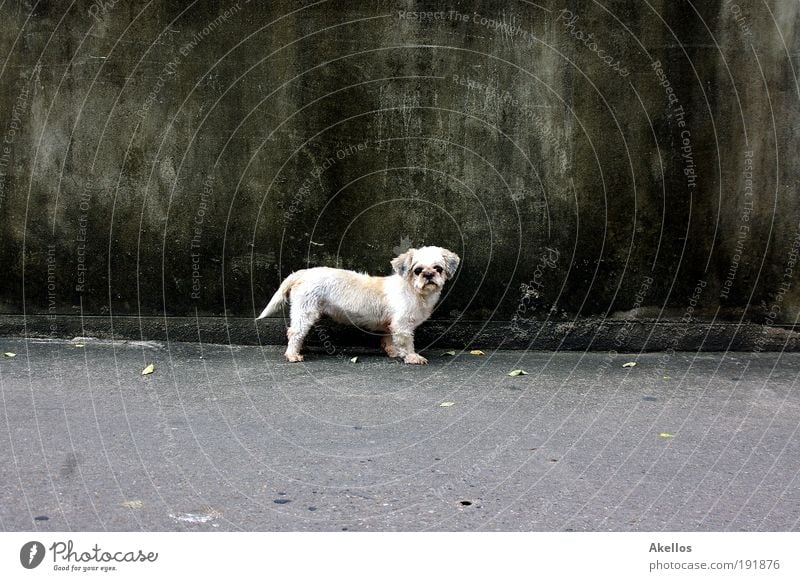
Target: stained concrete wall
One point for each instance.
(605, 162)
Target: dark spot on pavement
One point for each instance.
(70, 465)
(312, 508)
(41, 518)
(281, 494)
(466, 503)
(553, 460)
(649, 398)
(281, 501)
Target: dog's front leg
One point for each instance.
(403, 341)
(388, 346)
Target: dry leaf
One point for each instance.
(666, 435)
(354, 360)
(517, 372)
(133, 504)
(149, 369)
(447, 404)
(10, 354)
(477, 352)
(449, 354)
(629, 364)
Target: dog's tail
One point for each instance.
(280, 296)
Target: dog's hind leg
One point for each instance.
(301, 323)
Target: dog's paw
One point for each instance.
(415, 359)
(293, 358)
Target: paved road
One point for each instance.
(233, 438)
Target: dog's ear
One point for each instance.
(402, 264)
(451, 262)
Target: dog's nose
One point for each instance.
(428, 275)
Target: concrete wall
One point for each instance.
(588, 161)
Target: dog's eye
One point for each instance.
(417, 270)
(438, 269)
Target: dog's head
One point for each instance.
(426, 268)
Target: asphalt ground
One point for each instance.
(232, 438)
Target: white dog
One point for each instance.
(393, 305)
